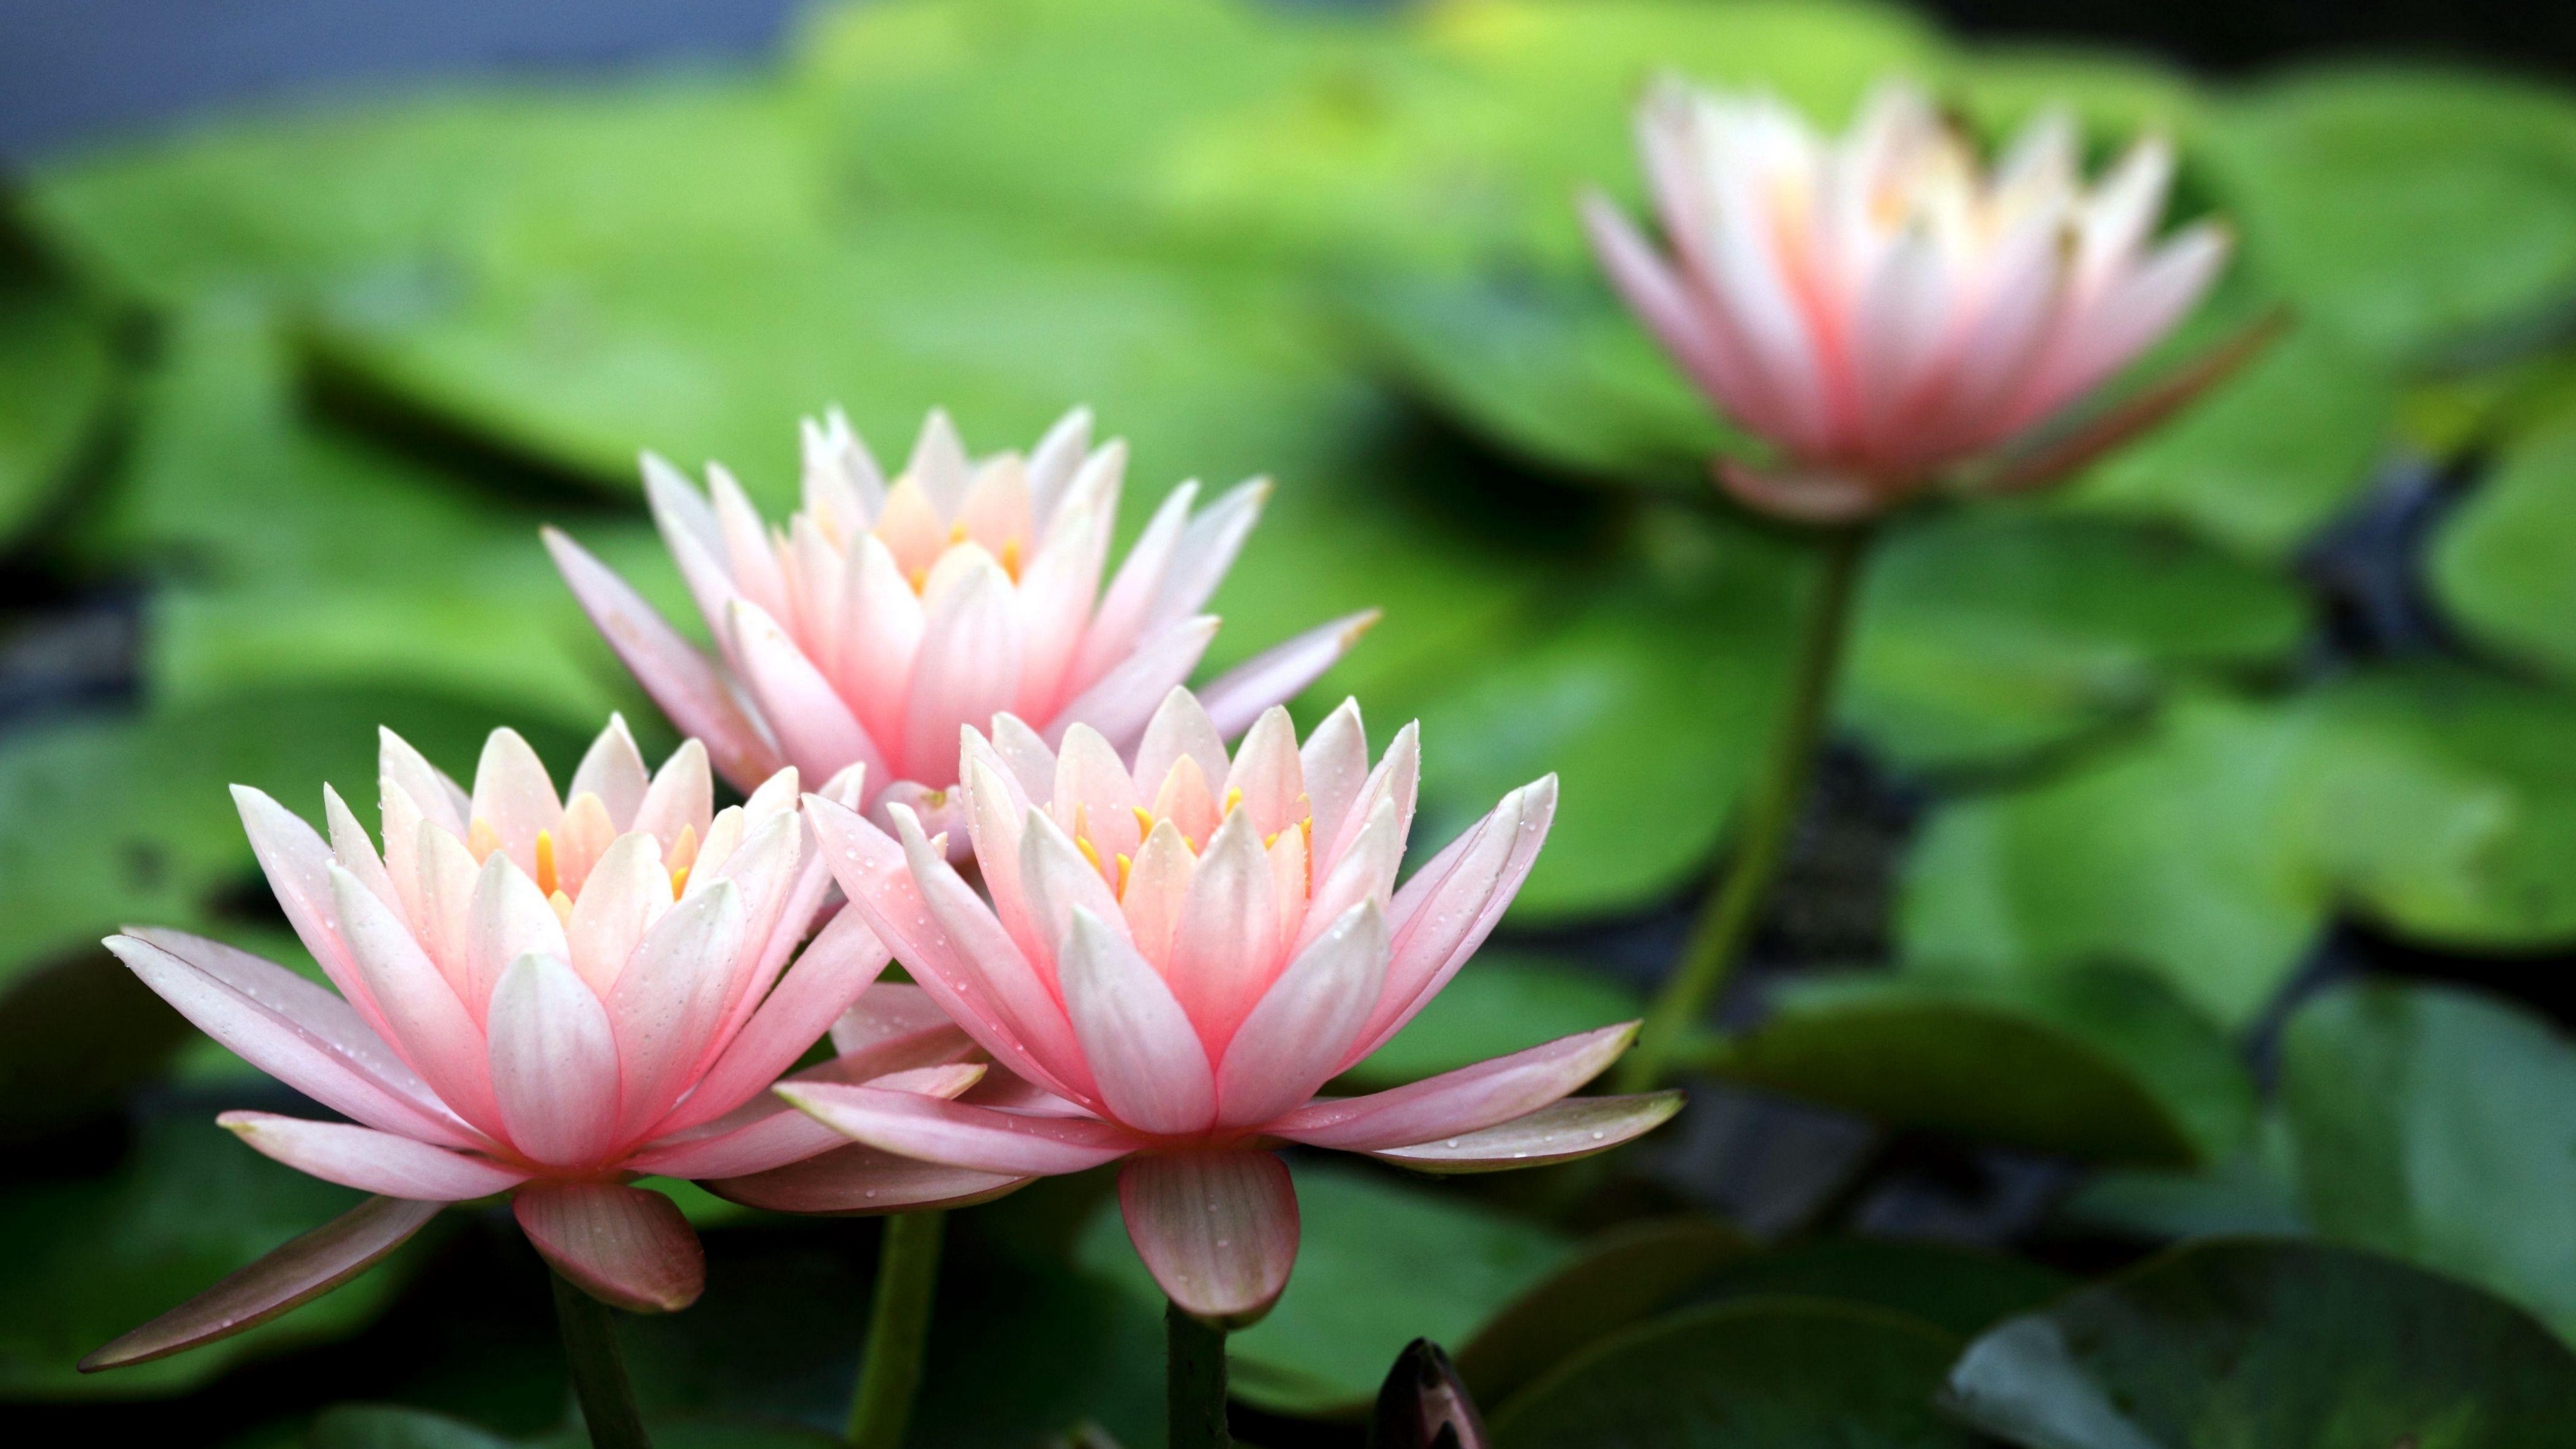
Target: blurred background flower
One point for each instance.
(2199, 835)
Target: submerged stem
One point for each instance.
(1194, 1381)
(1770, 809)
(598, 1369)
(898, 1330)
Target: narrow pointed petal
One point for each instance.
(426, 1021)
(1573, 1128)
(967, 672)
(1466, 1100)
(354, 851)
(627, 893)
(325, 1052)
(1119, 624)
(1180, 728)
(1268, 774)
(1398, 777)
(440, 798)
(836, 969)
(1218, 1230)
(1053, 461)
(514, 795)
(613, 769)
(1157, 883)
(960, 1135)
(1441, 928)
(293, 1275)
(1153, 1074)
(670, 998)
(816, 731)
(856, 1181)
(679, 678)
(768, 1140)
(624, 1246)
(506, 918)
(1056, 881)
(1334, 762)
(370, 1161)
(682, 796)
(1366, 872)
(554, 1064)
(1205, 551)
(1225, 943)
(298, 865)
(1294, 1040)
(1121, 702)
(1030, 762)
(2151, 404)
(939, 463)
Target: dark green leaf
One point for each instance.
(57, 375)
(95, 1257)
(1962, 1290)
(1621, 1277)
(2441, 1127)
(1783, 1374)
(1379, 1264)
(2286, 1345)
(2133, 1074)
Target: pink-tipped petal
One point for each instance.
(967, 672)
(1334, 763)
(1153, 1074)
(370, 1161)
(1576, 1127)
(1206, 550)
(297, 863)
(613, 769)
(289, 1277)
(816, 731)
(291, 1029)
(1443, 928)
(1218, 1230)
(1119, 623)
(627, 893)
(669, 1000)
(1267, 774)
(856, 1181)
(514, 795)
(624, 1246)
(506, 917)
(1180, 727)
(1124, 698)
(769, 1140)
(961, 1135)
(835, 970)
(1023, 1000)
(554, 1063)
(1294, 1040)
(425, 1020)
(681, 798)
(1225, 944)
(1469, 1099)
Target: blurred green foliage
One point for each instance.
(300, 387)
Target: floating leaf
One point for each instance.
(2286, 1345)
(57, 377)
(1986, 634)
(1379, 1264)
(1622, 1276)
(1962, 1290)
(2504, 563)
(2405, 208)
(1766, 1371)
(2132, 1073)
(2441, 1127)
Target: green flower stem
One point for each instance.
(1762, 832)
(898, 1330)
(598, 1369)
(1194, 1381)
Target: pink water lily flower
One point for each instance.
(1177, 956)
(543, 998)
(1883, 308)
(883, 617)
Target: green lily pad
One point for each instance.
(2436, 800)
(2099, 1063)
(2405, 208)
(1622, 1276)
(387, 1426)
(57, 379)
(1785, 1372)
(1379, 1264)
(2440, 1126)
(1649, 700)
(1962, 1290)
(190, 1204)
(2504, 563)
(1988, 634)
(1498, 1004)
(2286, 1345)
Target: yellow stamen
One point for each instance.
(1011, 558)
(919, 579)
(1083, 844)
(1232, 798)
(1144, 821)
(481, 839)
(957, 532)
(1307, 828)
(563, 908)
(1124, 866)
(548, 877)
(684, 851)
(679, 880)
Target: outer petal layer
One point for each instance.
(371, 1161)
(1218, 1230)
(1575, 1127)
(960, 1135)
(622, 1245)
